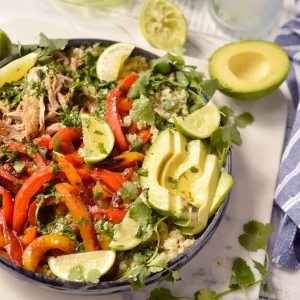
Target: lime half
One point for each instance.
(201, 123)
(5, 45)
(163, 24)
(98, 138)
(111, 60)
(15, 70)
(87, 266)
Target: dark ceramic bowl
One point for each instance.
(108, 287)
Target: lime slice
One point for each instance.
(163, 24)
(5, 45)
(87, 265)
(15, 70)
(201, 123)
(98, 139)
(125, 235)
(111, 60)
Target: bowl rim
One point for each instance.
(114, 286)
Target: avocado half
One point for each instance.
(249, 69)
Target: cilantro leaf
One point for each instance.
(158, 263)
(162, 293)
(260, 268)
(255, 236)
(129, 190)
(19, 166)
(138, 88)
(243, 120)
(172, 276)
(93, 276)
(167, 63)
(227, 111)
(243, 275)
(209, 87)
(142, 111)
(52, 44)
(143, 172)
(206, 294)
(76, 273)
(225, 137)
(140, 212)
(71, 117)
(138, 277)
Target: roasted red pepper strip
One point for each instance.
(64, 138)
(42, 141)
(70, 172)
(36, 249)
(31, 212)
(30, 187)
(8, 205)
(80, 214)
(74, 158)
(113, 115)
(84, 174)
(124, 105)
(13, 245)
(6, 175)
(110, 179)
(114, 215)
(35, 155)
(144, 135)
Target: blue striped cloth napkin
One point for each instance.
(286, 250)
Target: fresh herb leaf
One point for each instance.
(82, 221)
(138, 277)
(162, 294)
(138, 88)
(137, 145)
(140, 212)
(98, 132)
(260, 268)
(225, 136)
(167, 63)
(102, 148)
(129, 190)
(142, 111)
(52, 44)
(93, 276)
(209, 87)
(255, 236)
(97, 194)
(143, 172)
(194, 169)
(159, 262)
(76, 273)
(206, 294)
(172, 276)
(71, 117)
(242, 274)
(173, 183)
(243, 120)
(19, 166)
(56, 143)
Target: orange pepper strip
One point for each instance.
(70, 171)
(2, 241)
(80, 213)
(31, 186)
(110, 179)
(42, 141)
(38, 247)
(29, 235)
(8, 205)
(74, 158)
(145, 135)
(84, 173)
(13, 245)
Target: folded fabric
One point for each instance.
(286, 251)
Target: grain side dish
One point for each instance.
(106, 179)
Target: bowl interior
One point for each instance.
(107, 287)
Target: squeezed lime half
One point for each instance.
(163, 24)
(111, 60)
(201, 123)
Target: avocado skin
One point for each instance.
(234, 92)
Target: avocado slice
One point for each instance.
(179, 155)
(223, 188)
(202, 193)
(249, 69)
(164, 201)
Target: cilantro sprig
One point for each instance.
(254, 237)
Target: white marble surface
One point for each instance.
(255, 163)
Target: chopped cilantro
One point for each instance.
(206, 294)
(137, 145)
(97, 194)
(71, 117)
(101, 148)
(56, 143)
(163, 293)
(143, 172)
(142, 111)
(243, 120)
(194, 169)
(19, 166)
(55, 169)
(98, 132)
(173, 183)
(129, 190)
(82, 221)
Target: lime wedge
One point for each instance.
(87, 265)
(201, 123)
(15, 70)
(98, 139)
(111, 60)
(163, 24)
(125, 235)
(5, 45)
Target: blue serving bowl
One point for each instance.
(108, 287)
